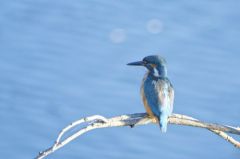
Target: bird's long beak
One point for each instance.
(138, 63)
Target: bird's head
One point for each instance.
(154, 63)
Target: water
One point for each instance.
(63, 60)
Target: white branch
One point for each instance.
(78, 122)
(97, 121)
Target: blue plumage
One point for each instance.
(156, 90)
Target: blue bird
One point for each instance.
(156, 90)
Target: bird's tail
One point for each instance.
(163, 121)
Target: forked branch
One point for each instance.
(97, 121)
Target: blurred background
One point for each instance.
(63, 60)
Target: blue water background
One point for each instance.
(63, 60)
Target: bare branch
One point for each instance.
(78, 122)
(97, 121)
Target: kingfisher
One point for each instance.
(156, 90)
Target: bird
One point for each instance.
(157, 91)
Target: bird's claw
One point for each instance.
(132, 125)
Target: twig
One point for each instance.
(97, 121)
(219, 133)
(78, 122)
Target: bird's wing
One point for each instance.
(151, 96)
(165, 95)
(171, 97)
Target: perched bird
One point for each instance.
(156, 90)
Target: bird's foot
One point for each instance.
(132, 125)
